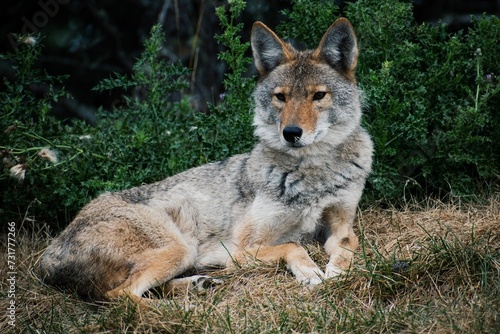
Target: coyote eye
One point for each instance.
(280, 97)
(318, 96)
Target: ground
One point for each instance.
(426, 268)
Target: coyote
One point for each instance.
(303, 180)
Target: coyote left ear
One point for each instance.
(339, 47)
(268, 49)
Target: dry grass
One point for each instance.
(417, 271)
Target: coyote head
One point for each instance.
(305, 98)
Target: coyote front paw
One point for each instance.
(333, 271)
(309, 276)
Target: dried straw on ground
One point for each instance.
(418, 270)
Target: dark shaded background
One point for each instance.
(89, 39)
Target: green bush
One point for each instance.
(431, 100)
(52, 168)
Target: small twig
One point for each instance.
(193, 59)
(163, 12)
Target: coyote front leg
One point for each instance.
(341, 242)
(296, 258)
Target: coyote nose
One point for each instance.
(292, 133)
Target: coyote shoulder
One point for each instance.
(303, 179)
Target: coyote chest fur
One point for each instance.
(303, 179)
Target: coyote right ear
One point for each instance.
(268, 49)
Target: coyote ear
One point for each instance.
(268, 49)
(339, 48)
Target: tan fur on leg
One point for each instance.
(342, 242)
(160, 265)
(295, 256)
